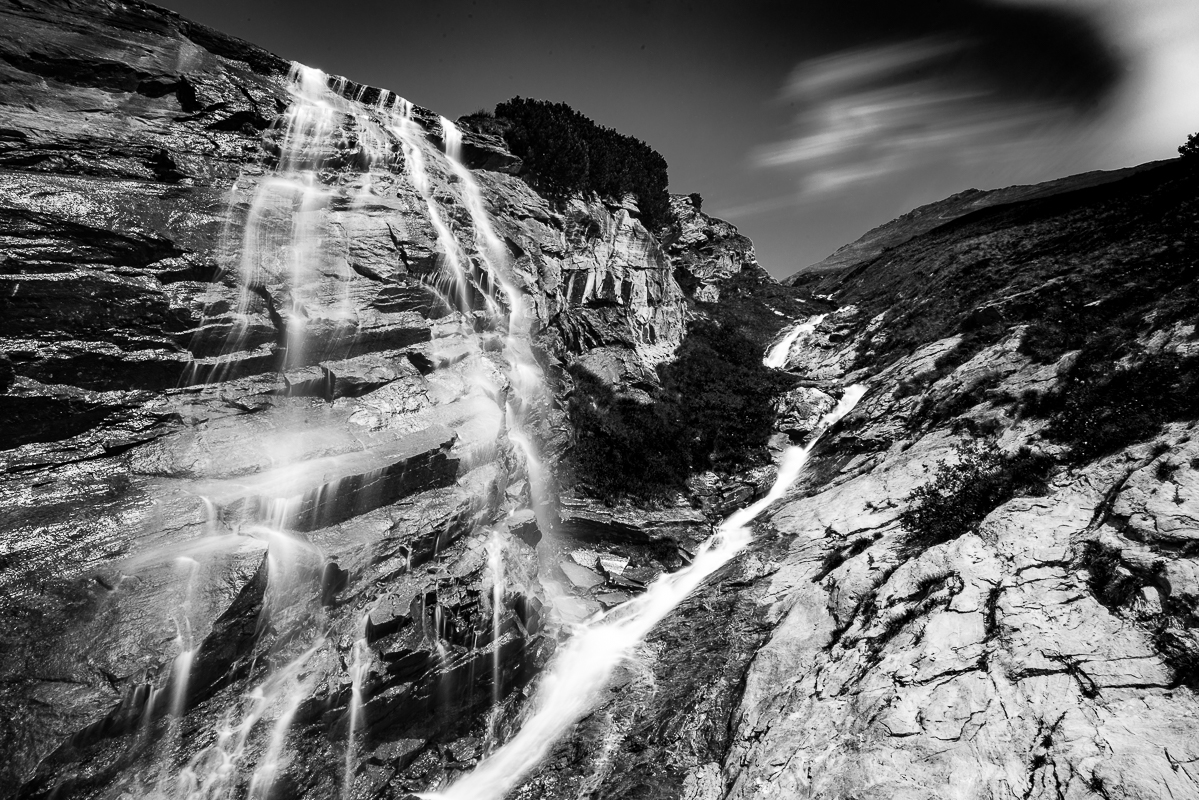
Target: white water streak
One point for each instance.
(777, 357)
(359, 667)
(525, 380)
(411, 138)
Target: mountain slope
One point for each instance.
(1036, 638)
(227, 295)
(927, 217)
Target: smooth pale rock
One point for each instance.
(799, 411)
(611, 599)
(932, 673)
(585, 558)
(612, 565)
(706, 250)
(580, 577)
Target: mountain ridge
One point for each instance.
(926, 218)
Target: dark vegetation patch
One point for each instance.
(565, 152)
(933, 411)
(1099, 409)
(749, 301)
(1190, 148)
(714, 410)
(961, 494)
(836, 556)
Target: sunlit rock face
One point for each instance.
(1048, 650)
(1043, 652)
(704, 250)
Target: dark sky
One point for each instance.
(805, 123)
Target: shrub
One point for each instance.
(484, 121)
(1191, 148)
(623, 446)
(725, 396)
(1100, 410)
(961, 494)
(565, 152)
(912, 386)
(1060, 328)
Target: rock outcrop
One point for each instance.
(1046, 651)
(705, 251)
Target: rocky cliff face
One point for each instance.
(278, 536)
(164, 398)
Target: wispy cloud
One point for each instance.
(874, 112)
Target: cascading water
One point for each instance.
(586, 663)
(281, 260)
(495, 564)
(359, 667)
(526, 382)
(409, 133)
(776, 358)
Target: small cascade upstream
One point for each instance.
(776, 357)
(587, 661)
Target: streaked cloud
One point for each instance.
(944, 108)
(873, 112)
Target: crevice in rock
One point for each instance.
(277, 320)
(366, 272)
(1041, 758)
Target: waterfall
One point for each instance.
(587, 661)
(495, 565)
(776, 358)
(410, 135)
(526, 382)
(287, 270)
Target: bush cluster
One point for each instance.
(1099, 410)
(622, 446)
(565, 152)
(961, 494)
(714, 410)
(1190, 149)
